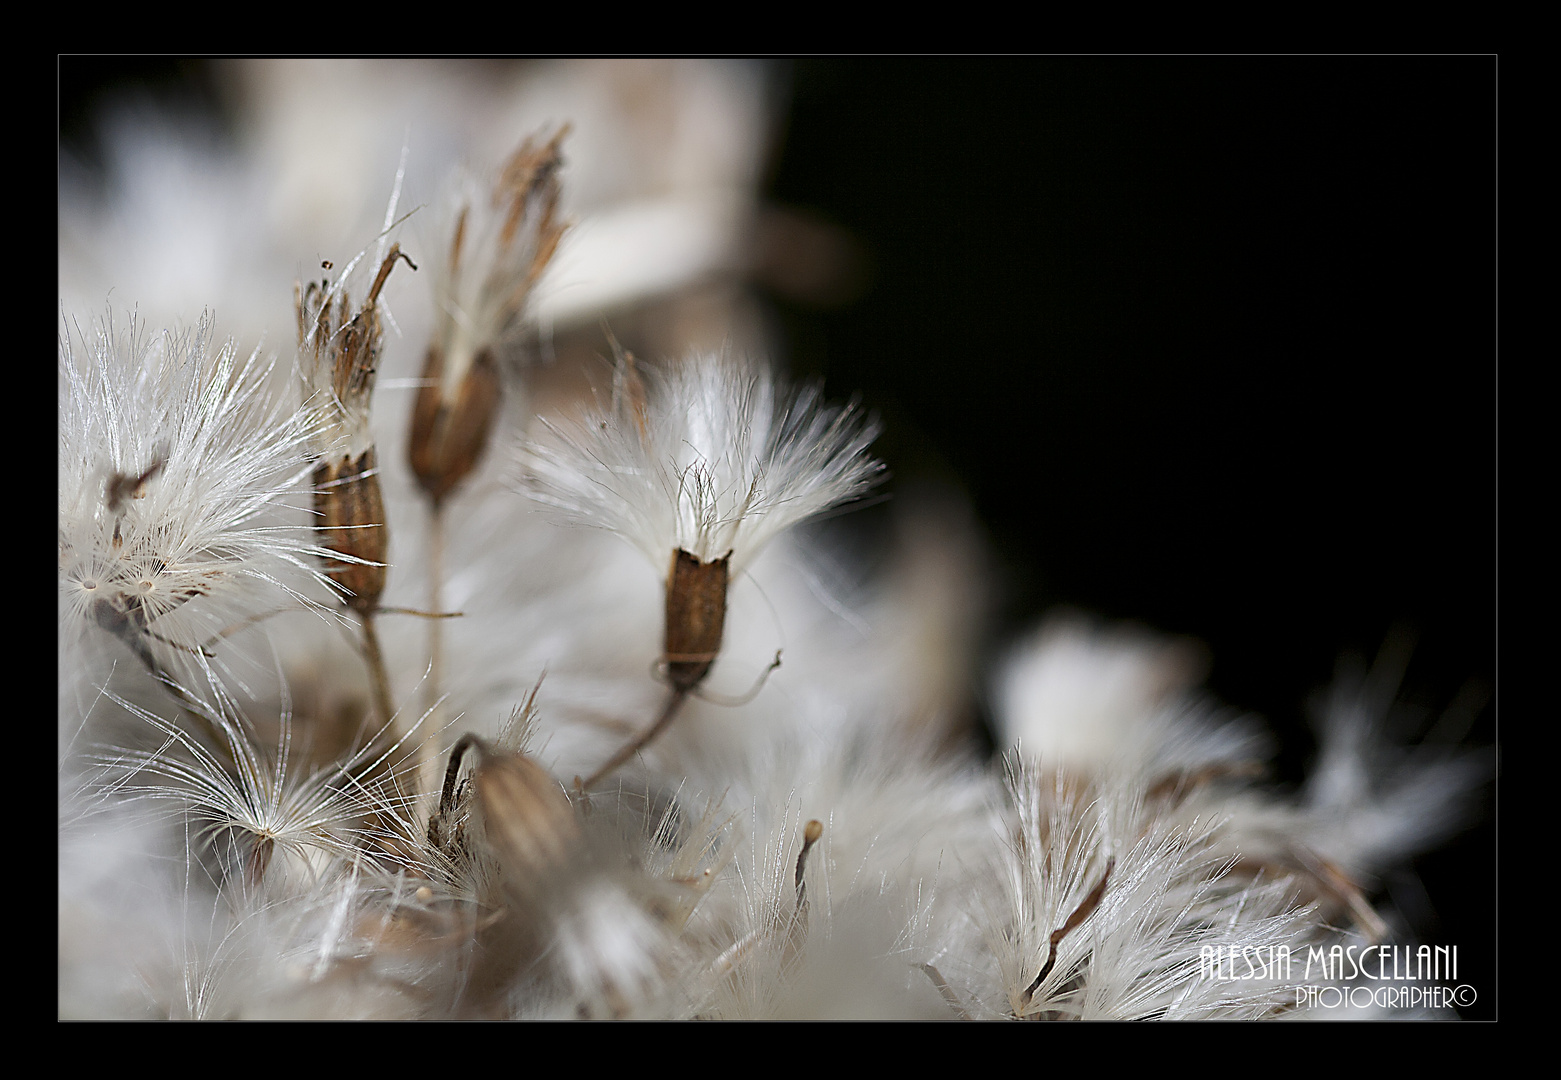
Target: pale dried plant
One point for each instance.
(712, 456)
(831, 844)
(174, 465)
(262, 812)
(700, 465)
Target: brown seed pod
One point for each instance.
(448, 437)
(529, 183)
(351, 520)
(344, 345)
(696, 616)
(518, 811)
(498, 252)
(528, 822)
(341, 350)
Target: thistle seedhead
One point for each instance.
(253, 806)
(713, 456)
(501, 241)
(702, 463)
(339, 351)
(174, 460)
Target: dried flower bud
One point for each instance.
(448, 437)
(351, 519)
(341, 357)
(528, 823)
(502, 242)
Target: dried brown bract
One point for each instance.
(340, 349)
(511, 810)
(696, 616)
(499, 249)
(449, 436)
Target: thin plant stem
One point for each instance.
(674, 702)
(427, 756)
(193, 707)
(379, 678)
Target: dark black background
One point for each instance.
(1208, 342)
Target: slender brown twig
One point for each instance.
(674, 702)
(379, 677)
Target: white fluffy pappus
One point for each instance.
(710, 456)
(504, 228)
(1080, 693)
(1112, 908)
(175, 470)
(258, 811)
(887, 880)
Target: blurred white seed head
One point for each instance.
(1083, 694)
(501, 233)
(1111, 906)
(260, 813)
(711, 456)
(174, 462)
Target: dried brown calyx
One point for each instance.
(510, 830)
(340, 351)
(696, 616)
(516, 811)
(351, 516)
(528, 822)
(497, 254)
(449, 436)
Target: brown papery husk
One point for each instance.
(351, 521)
(528, 823)
(448, 438)
(696, 616)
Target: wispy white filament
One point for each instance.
(198, 542)
(717, 458)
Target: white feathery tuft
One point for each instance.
(176, 471)
(241, 835)
(711, 456)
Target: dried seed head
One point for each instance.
(713, 456)
(340, 350)
(513, 809)
(502, 242)
(696, 616)
(173, 458)
(527, 821)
